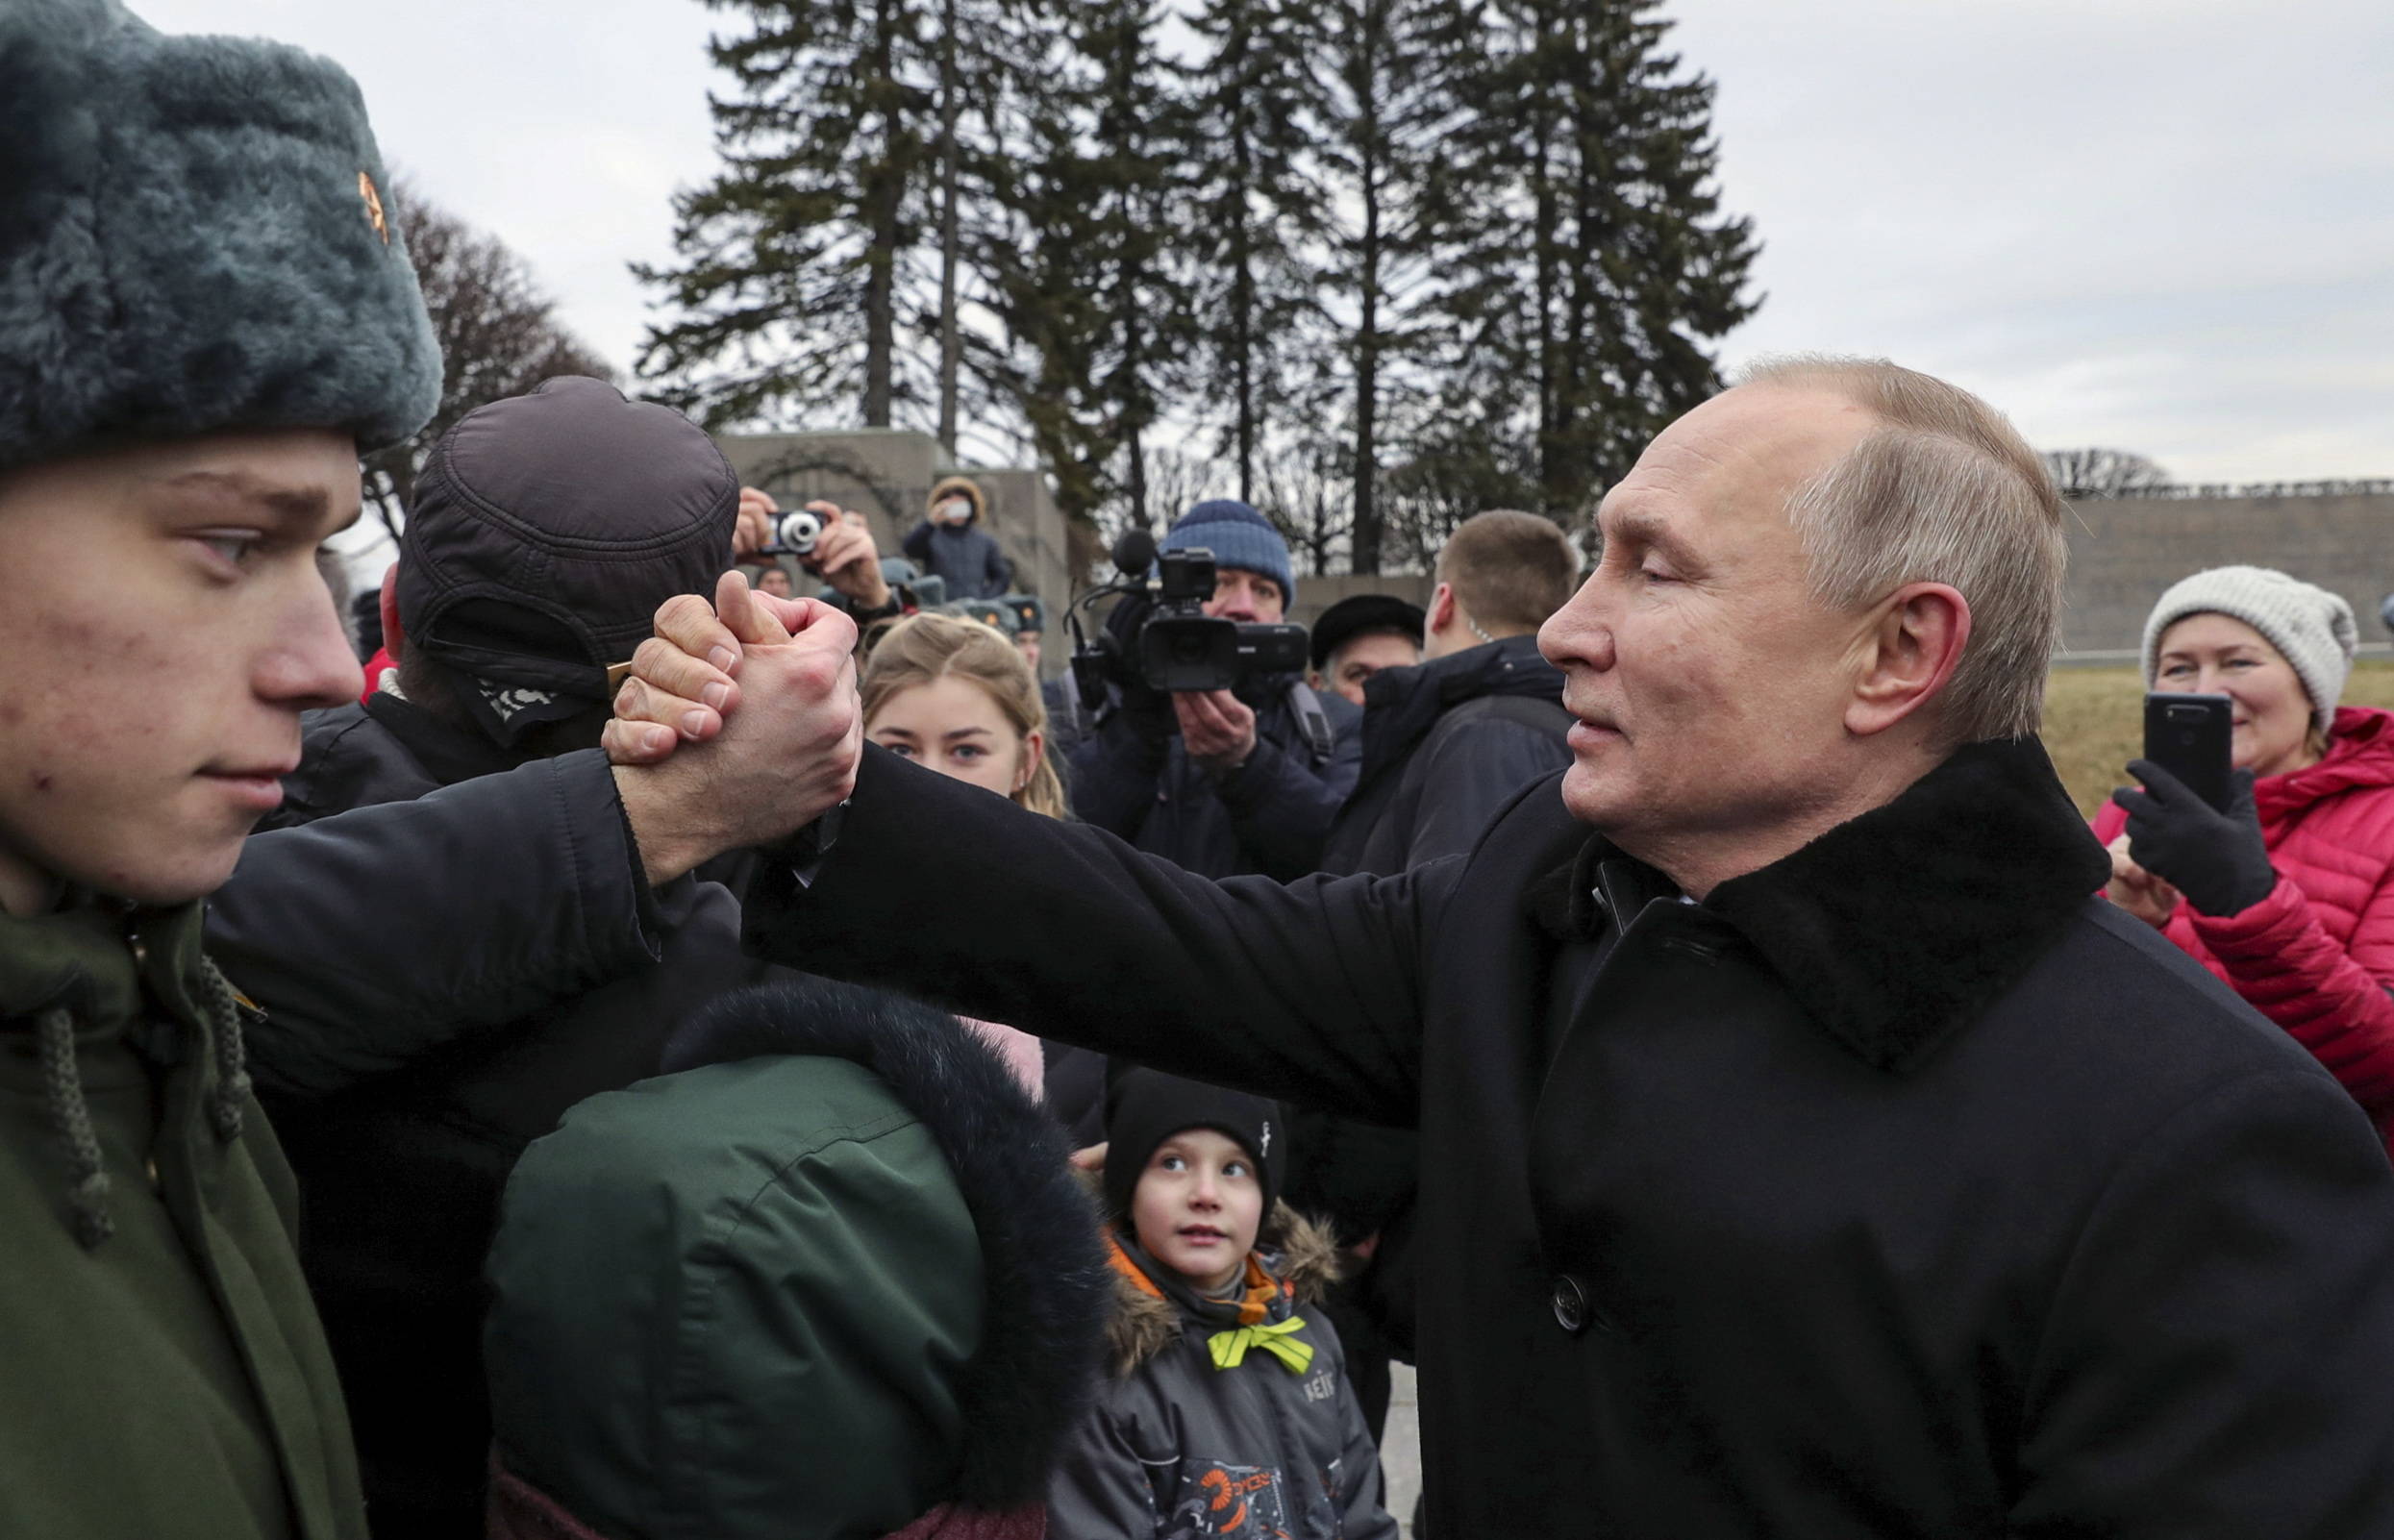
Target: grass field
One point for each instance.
(2095, 722)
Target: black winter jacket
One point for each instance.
(1177, 1448)
(1133, 778)
(1900, 1189)
(1446, 746)
(965, 558)
(400, 1179)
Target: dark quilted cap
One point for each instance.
(548, 528)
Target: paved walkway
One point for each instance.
(1399, 1448)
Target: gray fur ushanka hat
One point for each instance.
(193, 238)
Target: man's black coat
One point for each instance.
(399, 1175)
(1899, 1189)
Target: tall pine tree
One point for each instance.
(1259, 212)
(800, 278)
(1396, 66)
(1096, 290)
(1597, 262)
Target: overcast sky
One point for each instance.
(2158, 225)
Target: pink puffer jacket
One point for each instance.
(2317, 956)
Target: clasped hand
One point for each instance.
(786, 668)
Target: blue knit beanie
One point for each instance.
(1239, 537)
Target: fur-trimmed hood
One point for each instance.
(1042, 1253)
(1298, 1251)
(828, 1273)
(948, 487)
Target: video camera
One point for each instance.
(1176, 646)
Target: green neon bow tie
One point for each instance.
(1230, 1348)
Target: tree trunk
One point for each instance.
(1365, 547)
(882, 191)
(950, 345)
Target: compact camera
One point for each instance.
(796, 535)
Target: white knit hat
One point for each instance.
(2311, 628)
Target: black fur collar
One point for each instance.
(1049, 1287)
(1894, 928)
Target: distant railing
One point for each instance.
(2371, 486)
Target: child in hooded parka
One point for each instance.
(1226, 1410)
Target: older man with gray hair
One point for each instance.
(1805, 1149)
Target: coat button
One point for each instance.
(1570, 1301)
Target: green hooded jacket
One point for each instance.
(162, 1371)
(831, 1276)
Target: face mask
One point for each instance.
(956, 510)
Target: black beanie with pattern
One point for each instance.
(1144, 1107)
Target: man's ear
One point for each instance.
(1441, 612)
(1909, 649)
(394, 635)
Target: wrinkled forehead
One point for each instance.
(1741, 457)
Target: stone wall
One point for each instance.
(2124, 551)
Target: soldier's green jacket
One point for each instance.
(171, 1379)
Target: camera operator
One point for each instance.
(1222, 782)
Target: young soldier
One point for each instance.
(206, 312)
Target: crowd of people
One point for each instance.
(695, 1038)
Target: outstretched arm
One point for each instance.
(954, 895)
(1308, 992)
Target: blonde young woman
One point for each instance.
(957, 697)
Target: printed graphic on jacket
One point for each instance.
(1220, 1499)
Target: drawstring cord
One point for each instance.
(70, 1113)
(224, 1012)
(62, 1085)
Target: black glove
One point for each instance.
(1147, 711)
(2216, 858)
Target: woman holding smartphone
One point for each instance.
(2288, 896)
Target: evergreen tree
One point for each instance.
(801, 283)
(1395, 65)
(1095, 291)
(1597, 259)
(1258, 212)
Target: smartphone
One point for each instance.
(2188, 735)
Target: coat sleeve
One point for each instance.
(1099, 1487)
(999, 571)
(2332, 997)
(917, 544)
(1281, 805)
(1469, 776)
(373, 935)
(1310, 992)
(2240, 1256)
